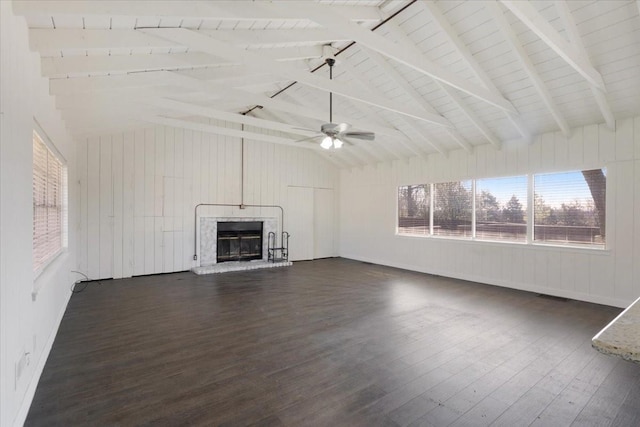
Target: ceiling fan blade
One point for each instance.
(343, 127)
(368, 136)
(309, 138)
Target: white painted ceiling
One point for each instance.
(426, 76)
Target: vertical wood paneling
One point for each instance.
(139, 202)
(117, 176)
(609, 276)
(547, 152)
(607, 144)
(128, 215)
(590, 151)
(561, 146)
(144, 186)
(576, 148)
(93, 208)
(83, 244)
(624, 139)
(149, 200)
(106, 208)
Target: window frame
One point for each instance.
(61, 204)
(529, 218)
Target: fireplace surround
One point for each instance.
(208, 244)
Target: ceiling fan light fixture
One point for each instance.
(337, 143)
(327, 142)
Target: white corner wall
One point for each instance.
(30, 309)
(368, 200)
(138, 191)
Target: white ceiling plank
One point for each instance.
(222, 90)
(434, 10)
(473, 118)
(528, 66)
(68, 86)
(207, 44)
(47, 41)
(413, 94)
(227, 116)
(574, 36)
(50, 42)
(267, 38)
(334, 22)
(219, 130)
(420, 103)
(536, 23)
(199, 10)
(368, 111)
(93, 64)
(78, 65)
(232, 76)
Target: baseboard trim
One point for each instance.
(595, 299)
(21, 417)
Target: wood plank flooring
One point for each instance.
(329, 343)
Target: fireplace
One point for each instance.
(239, 241)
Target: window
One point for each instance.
(501, 208)
(49, 204)
(413, 209)
(452, 209)
(570, 207)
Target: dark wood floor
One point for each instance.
(329, 343)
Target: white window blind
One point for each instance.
(501, 208)
(570, 207)
(413, 209)
(452, 208)
(49, 203)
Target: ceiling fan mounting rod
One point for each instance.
(330, 62)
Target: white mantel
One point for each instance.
(208, 235)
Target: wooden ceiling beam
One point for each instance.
(232, 76)
(527, 65)
(462, 49)
(204, 10)
(574, 36)
(50, 42)
(202, 43)
(526, 13)
(328, 18)
(95, 64)
(411, 92)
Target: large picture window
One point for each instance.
(570, 207)
(49, 203)
(452, 209)
(501, 208)
(413, 209)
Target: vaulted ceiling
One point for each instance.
(426, 77)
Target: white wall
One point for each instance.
(27, 324)
(139, 189)
(368, 217)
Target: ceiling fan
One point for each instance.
(336, 134)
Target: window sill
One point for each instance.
(534, 245)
